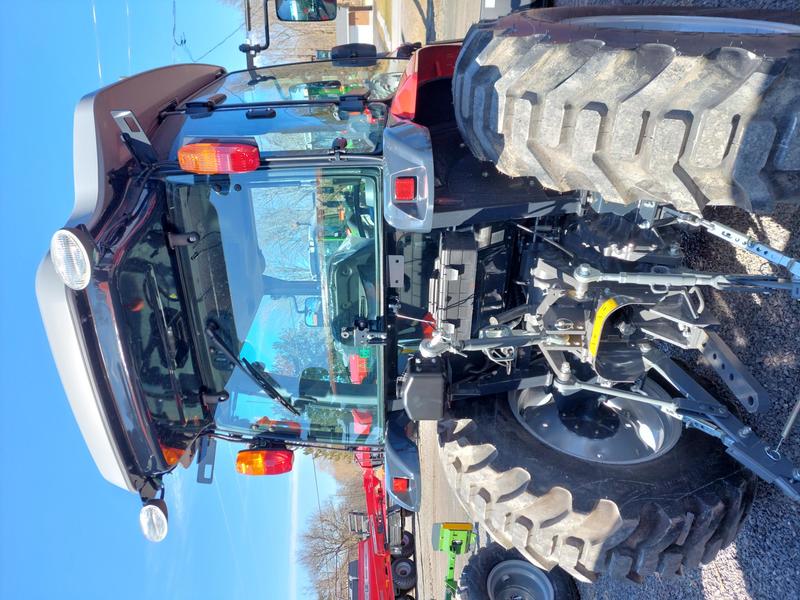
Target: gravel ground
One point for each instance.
(764, 331)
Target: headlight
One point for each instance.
(153, 520)
(70, 251)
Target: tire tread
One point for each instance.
(547, 529)
(644, 122)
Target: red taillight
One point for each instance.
(213, 159)
(264, 462)
(399, 485)
(405, 189)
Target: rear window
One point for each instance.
(316, 80)
(295, 127)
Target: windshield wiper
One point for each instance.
(167, 337)
(258, 377)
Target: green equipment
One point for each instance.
(455, 539)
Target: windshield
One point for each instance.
(157, 334)
(284, 265)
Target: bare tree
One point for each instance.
(328, 547)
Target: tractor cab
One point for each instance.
(223, 276)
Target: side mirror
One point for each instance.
(153, 520)
(264, 462)
(306, 10)
(251, 50)
(312, 311)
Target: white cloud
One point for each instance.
(177, 498)
(294, 531)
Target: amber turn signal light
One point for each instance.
(264, 462)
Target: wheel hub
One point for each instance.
(601, 429)
(587, 416)
(518, 580)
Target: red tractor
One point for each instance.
(384, 568)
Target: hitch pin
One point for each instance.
(787, 429)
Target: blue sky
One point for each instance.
(65, 531)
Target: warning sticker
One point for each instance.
(605, 310)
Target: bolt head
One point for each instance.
(565, 368)
(796, 474)
(745, 431)
(583, 270)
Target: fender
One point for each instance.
(402, 460)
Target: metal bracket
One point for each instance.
(176, 240)
(211, 399)
(134, 137)
(748, 391)
(364, 333)
(206, 452)
(396, 269)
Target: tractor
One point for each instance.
(488, 234)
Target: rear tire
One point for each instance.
(684, 117)
(406, 548)
(472, 584)
(404, 574)
(590, 518)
